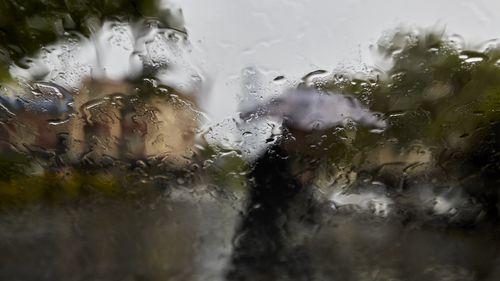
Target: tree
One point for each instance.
(28, 26)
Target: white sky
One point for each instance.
(292, 38)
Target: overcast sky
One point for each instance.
(292, 38)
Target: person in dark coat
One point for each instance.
(278, 182)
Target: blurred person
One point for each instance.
(264, 247)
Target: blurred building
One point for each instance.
(35, 120)
(102, 121)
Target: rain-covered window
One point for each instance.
(249, 140)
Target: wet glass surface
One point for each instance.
(268, 140)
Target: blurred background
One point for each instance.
(124, 154)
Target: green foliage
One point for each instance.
(13, 166)
(435, 90)
(223, 167)
(71, 184)
(54, 186)
(441, 89)
(27, 26)
(438, 97)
